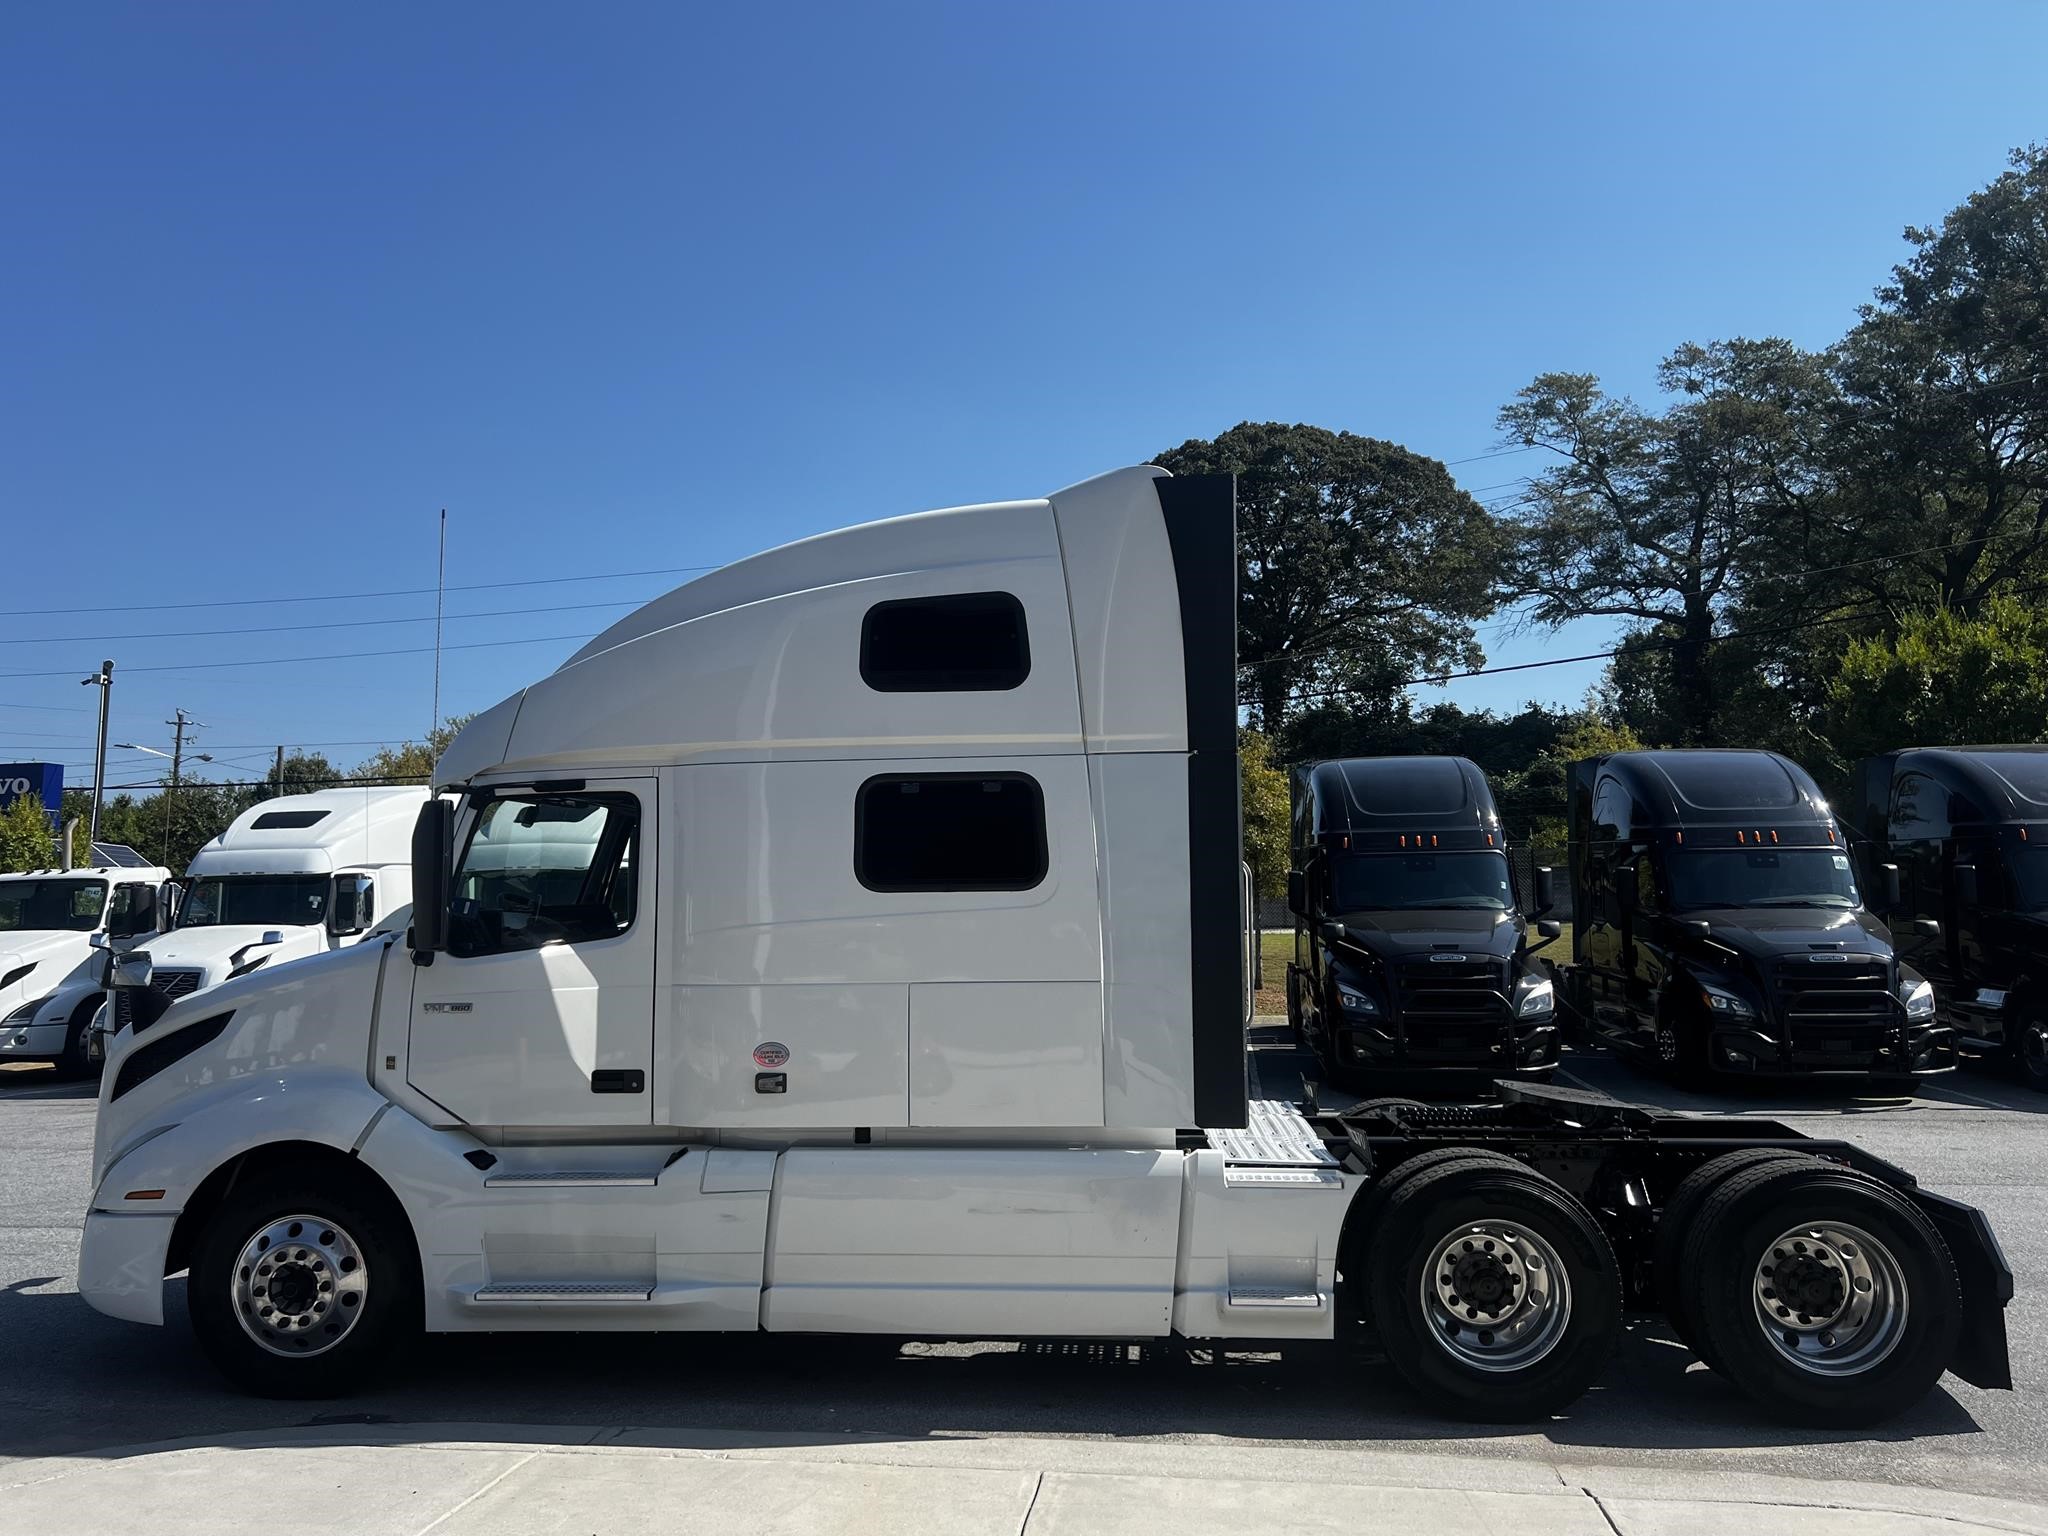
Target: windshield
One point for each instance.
(255, 901)
(1709, 878)
(2029, 868)
(71, 905)
(1388, 882)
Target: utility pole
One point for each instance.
(277, 773)
(104, 680)
(179, 725)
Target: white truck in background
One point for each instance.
(55, 928)
(853, 940)
(291, 877)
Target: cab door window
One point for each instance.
(546, 869)
(133, 911)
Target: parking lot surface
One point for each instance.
(72, 1381)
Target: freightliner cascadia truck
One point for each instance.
(1719, 928)
(1967, 830)
(896, 985)
(1410, 940)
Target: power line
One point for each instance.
(280, 629)
(1498, 453)
(353, 597)
(286, 661)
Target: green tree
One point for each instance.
(411, 762)
(25, 840)
(1650, 516)
(1264, 795)
(1944, 679)
(1362, 563)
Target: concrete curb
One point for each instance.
(526, 1480)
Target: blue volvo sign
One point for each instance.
(45, 781)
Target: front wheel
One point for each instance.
(1823, 1293)
(77, 1060)
(297, 1292)
(1493, 1291)
(2030, 1044)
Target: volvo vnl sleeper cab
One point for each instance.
(1719, 927)
(1410, 939)
(1967, 830)
(56, 928)
(852, 940)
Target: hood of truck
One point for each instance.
(1446, 930)
(212, 951)
(54, 956)
(1766, 932)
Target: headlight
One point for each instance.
(1353, 1001)
(1727, 1002)
(1918, 996)
(1535, 995)
(24, 1013)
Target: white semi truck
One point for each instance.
(55, 928)
(290, 877)
(852, 941)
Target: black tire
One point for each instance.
(74, 1063)
(1739, 1225)
(1568, 1342)
(1674, 1226)
(389, 1305)
(2030, 1040)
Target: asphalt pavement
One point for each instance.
(73, 1383)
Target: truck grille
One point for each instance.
(1452, 1013)
(169, 984)
(1837, 1014)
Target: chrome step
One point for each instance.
(577, 1291)
(578, 1178)
(1274, 1296)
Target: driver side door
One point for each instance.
(541, 1011)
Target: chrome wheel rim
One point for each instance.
(299, 1285)
(1830, 1299)
(1667, 1044)
(1496, 1295)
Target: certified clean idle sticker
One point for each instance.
(771, 1053)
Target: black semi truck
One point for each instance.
(1410, 952)
(1967, 830)
(1719, 927)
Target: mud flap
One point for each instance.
(1981, 1356)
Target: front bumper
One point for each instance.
(121, 1264)
(32, 1042)
(1526, 1045)
(1921, 1049)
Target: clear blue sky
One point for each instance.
(644, 286)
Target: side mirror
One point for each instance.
(433, 856)
(349, 909)
(1891, 888)
(1333, 933)
(1549, 928)
(1969, 892)
(170, 896)
(1297, 893)
(1927, 927)
(132, 970)
(1546, 888)
(98, 941)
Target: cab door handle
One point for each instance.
(618, 1080)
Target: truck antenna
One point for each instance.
(440, 591)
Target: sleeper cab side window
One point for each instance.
(546, 869)
(967, 642)
(949, 832)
